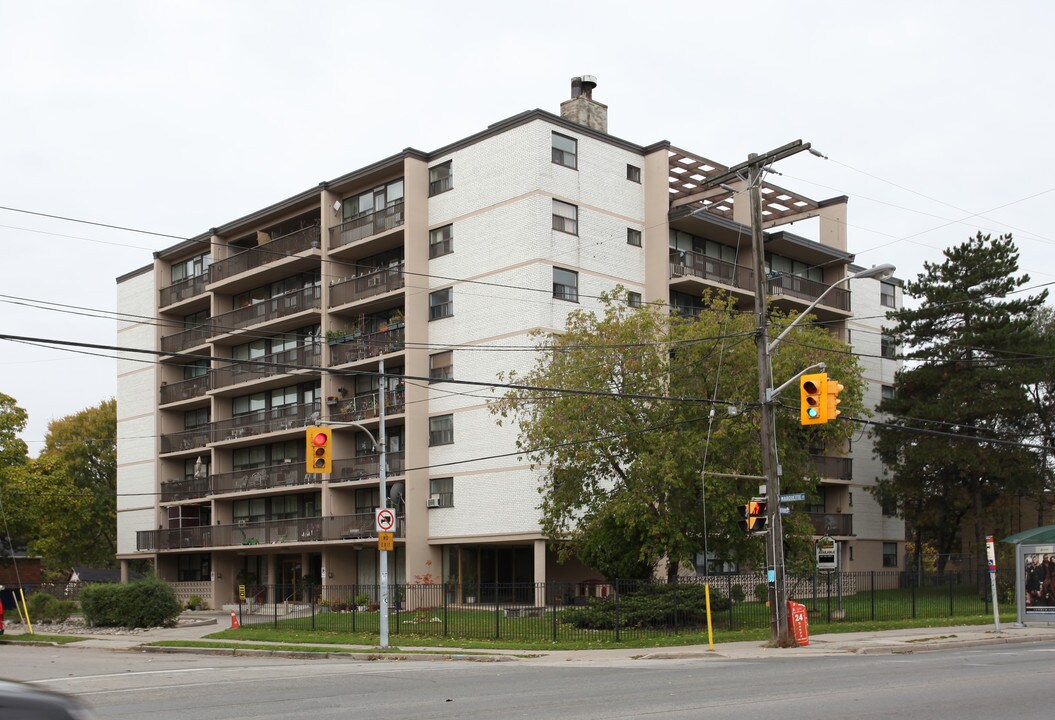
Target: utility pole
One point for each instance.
(383, 491)
(767, 425)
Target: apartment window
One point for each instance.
(441, 241)
(633, 237)
(198, 368)
(886, 294)
(889, 507)
(441, 365)
(441, 430)
(633, 299)
(195, 418)
(890, 555)
(633, 173)
(191, 268)
(565, 285)
(442, 489)
(887, 392)
(565, 151)
(378, 199)
(565, 217)
(189, 467)
(887, 347)
(441, 304)
(440, 179)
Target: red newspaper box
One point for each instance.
(798, 623)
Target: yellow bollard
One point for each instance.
(710, 630)
(29, 625)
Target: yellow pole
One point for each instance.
(710, 629)
(29, 625)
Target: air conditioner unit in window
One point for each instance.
(432, 502)
(242, 523)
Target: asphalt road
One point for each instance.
(998, 682)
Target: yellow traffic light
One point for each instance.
(754, 517)
(319, 453)
(813, 396)
(834, 388)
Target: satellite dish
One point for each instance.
(395, 493)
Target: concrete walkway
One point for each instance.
(195, 626)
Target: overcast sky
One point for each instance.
(180, 116)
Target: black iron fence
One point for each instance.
(606, 611)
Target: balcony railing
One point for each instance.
(185, 440)
(364, 407)
(367, 466)
(271, 532)
(184, 389)
(273, 308)
(284, 475)
(278, 248)
(693, 264)
(835, 468)
(832, 523)
(266, 366)
(366, 225)
(184, 489)
(183, 290)
(368, 345)
(283, 417)
(186, 339)
(364, 286)
(809, 290)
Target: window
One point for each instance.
(890, 554)
(441, 241)
(781, 264)
(565, 151)
(633, 299)
(440, 179)
(887, 347)
(441, 365)
(887, 392)
(886, 294)
(633, 237)
(441, 304)
(195, 418)
(191, 268)
(565, 217)
(565, 284)
(441, 430)
(442, 489)
(633, 173)
(889, 506)
(383, 197)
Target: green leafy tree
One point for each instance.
(13, 458)
(963, 380)
(645, 402)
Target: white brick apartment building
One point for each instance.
(427, 261)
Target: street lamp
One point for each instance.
(768, 429)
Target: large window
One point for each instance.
(191, 268)
(278, 288)
(442, 491)
(441, 304)
(441, 430)
(441, 365)
(890, 554)
(565, 284)
(565, 217)
(441, 241)
(375, 200)
(260, 456)
(441, 178)
(195, 418)
(788, 266)
(887, 293)
(888, 347)
(565, 151)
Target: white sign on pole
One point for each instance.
(827, 554)
(385, 520)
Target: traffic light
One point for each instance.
(319, 455)
(754, 517)
(813, 394)
(833, 390)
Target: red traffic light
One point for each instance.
(319, 450)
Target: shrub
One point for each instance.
(45, 608)
(761, 592)
(647, 605)
(736, 593)
(144, 603)
(195, 602)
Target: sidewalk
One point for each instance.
(195, 626)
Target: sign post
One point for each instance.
(990, 555)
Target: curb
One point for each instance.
(358, 656)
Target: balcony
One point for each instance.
(279, 363)
(832, 524)
(183, 290)
(271, 532)
(833, 468)
(366, 466)
(186, 339)
(366, 225)
(184, 489)
(692, 264)
(365, 286)
(364, 407)
(808, 290)
(265, 478)
(277, 249)
(185, 440)
(367, 345)
(280, 306)
(184, 389)
(283, 417)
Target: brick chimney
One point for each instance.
(582, 108)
